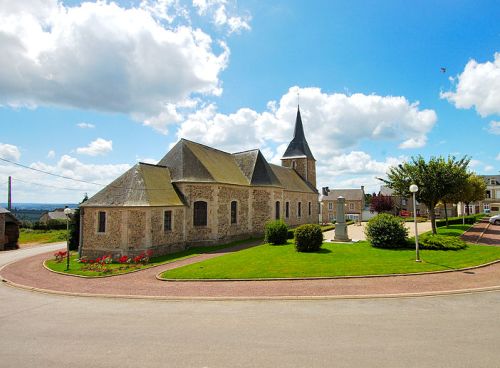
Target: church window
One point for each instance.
(234, 212)
(287, 209)
(310, 208)
(299, 209)
(200, 213)
(167, 221)
(102, 222)
(277, 210)
(294, 164)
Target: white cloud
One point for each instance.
(9, 152)
(479, 87)
(498, 157)
(333, 122)
(85, 125)
(221, 17)
(51, 154)
(104, 57)
(357, 162)
(488, 168)
(98, 147)
(33, 186)
(494, 127)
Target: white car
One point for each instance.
(495, 220)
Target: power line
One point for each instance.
(49, 173)
(47, 185)
(73, 179)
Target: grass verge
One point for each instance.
(266, 261)
(41, 236)
(77, 268)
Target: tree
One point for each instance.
(74, 227)
(381, 203)
(473, 190)
(435, 179)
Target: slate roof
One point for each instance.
(487, 179)
(142, 185)
(187, 161)
(9, 215)
(298, 147)
(58, 214)
(348, 194)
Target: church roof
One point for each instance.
(256, 169)
(298, 147)
(290, 180)
(142, 185)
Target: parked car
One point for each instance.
(495, 220)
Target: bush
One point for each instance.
(276, 232)
(441, 242)
(386, 231)
(470, 220)
(308, 238)
(290, 234)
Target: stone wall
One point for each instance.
(305, 167)
(133, 230)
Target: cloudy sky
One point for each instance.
(87, 89)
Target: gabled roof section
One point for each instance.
(348, 194)
(298, 147)
(255, 168)
(142, 185)
(290, 180)
(194, 162)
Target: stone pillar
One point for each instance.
(340, 225)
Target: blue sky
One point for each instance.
(88, 89)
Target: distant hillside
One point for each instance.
(33, 211)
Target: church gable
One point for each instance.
(256, 169)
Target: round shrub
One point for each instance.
(276, 232)
(308, 238)
(441, 242)
(386, 231)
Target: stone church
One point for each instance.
(198, 195)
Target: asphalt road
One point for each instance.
(41, 330)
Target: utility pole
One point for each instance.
(9, 194)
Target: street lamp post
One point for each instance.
(414, 189)
(67, 212)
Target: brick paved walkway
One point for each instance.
(30, 272)
(483, 233)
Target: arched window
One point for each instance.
(287, 209)
(200, 213)
(277, 210)
(299, 209)
(234, 212)
(310, 209)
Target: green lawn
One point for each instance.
(267, 261)
(41, 236)
(75, 268)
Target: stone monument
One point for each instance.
(340, 225)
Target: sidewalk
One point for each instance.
(30, 273)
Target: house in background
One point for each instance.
(198, 195)
(491, 203)
(9, 230)
(57, 214)
(403, 206)
(354, 203)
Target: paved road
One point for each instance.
(59, 331)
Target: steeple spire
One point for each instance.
(298, 147)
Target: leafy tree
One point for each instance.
(473, 190)
(74, 227)
(435, 179)
(381, 203)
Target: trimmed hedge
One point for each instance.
(308, 238)
(276, 232)
(386, 231)
(470, 220)
(441, 242)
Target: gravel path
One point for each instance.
(356, 232)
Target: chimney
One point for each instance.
(363, 188)
(325, 191)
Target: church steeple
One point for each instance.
(298, 147)
(298, 155)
